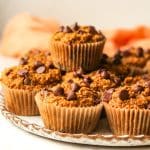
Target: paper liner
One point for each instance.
(128, 121)
(70, 120)
(71, 57)
(20, 102)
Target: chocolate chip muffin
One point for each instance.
(128, 109)
(21, 82)
(69, 107)
(77, 46)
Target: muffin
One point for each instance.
(20, 84)
(69, 107)
(128, 109)
(77, 46)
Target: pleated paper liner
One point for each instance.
(20, 102)
(69, 119)
(128, 121)
(70, 57)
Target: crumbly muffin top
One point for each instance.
(35, 71)
(72, 95)
(136, 96)
(77, 34)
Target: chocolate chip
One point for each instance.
(117, 58)
(61, 28)
(87, 80)
(37, 64)
(23, 61)
(117, 81)
(23, 72)
(140, 52)
(105, 74)
(103, 59)
(126, 53)
(59, 91)
(67, 29)
(107, 95)
(47, 53)
(75, 87)
(92, 30)
(70, 81)
(148, 106)
(138, 89)
(75, 26)
(77, 74)
(124, 94)
(71, 96)
(41, 69)
(51, 66)
(8, 72)
(26, 81)
(97, 101)
(63, 72)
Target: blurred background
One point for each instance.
(102, 13)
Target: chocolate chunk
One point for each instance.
(75, 26)
(23, 72)
(140, 52)
(148, 106)
(75, 87)
(41, 69)
(97, 101)
(71, 96)
(87, 80)
(107, 95)
(61, 28)
(47, 53)
(8, 72)
(23, 61)
(26, 81)
(37, 64)
(138, 89)
(67, 29)
(59, 91)
(105, 74)
(124, 95)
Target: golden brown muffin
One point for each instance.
(77, 46)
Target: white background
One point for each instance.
(105, 14)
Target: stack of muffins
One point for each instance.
(70, 86)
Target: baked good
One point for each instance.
(70, 107)
(21, 82)
(24, 32)
(128, 109)
(77, 46)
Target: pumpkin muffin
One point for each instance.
(21, 82)
(128, 109)
(77, 46)
(69, 107)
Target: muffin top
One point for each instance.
(135, 96)
(72, 95)
(34, 71)
(77, 34)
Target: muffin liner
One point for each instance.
(20, 102)
(69, 119)
(128, 121)
(71, 57)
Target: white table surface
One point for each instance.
(13, 138)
